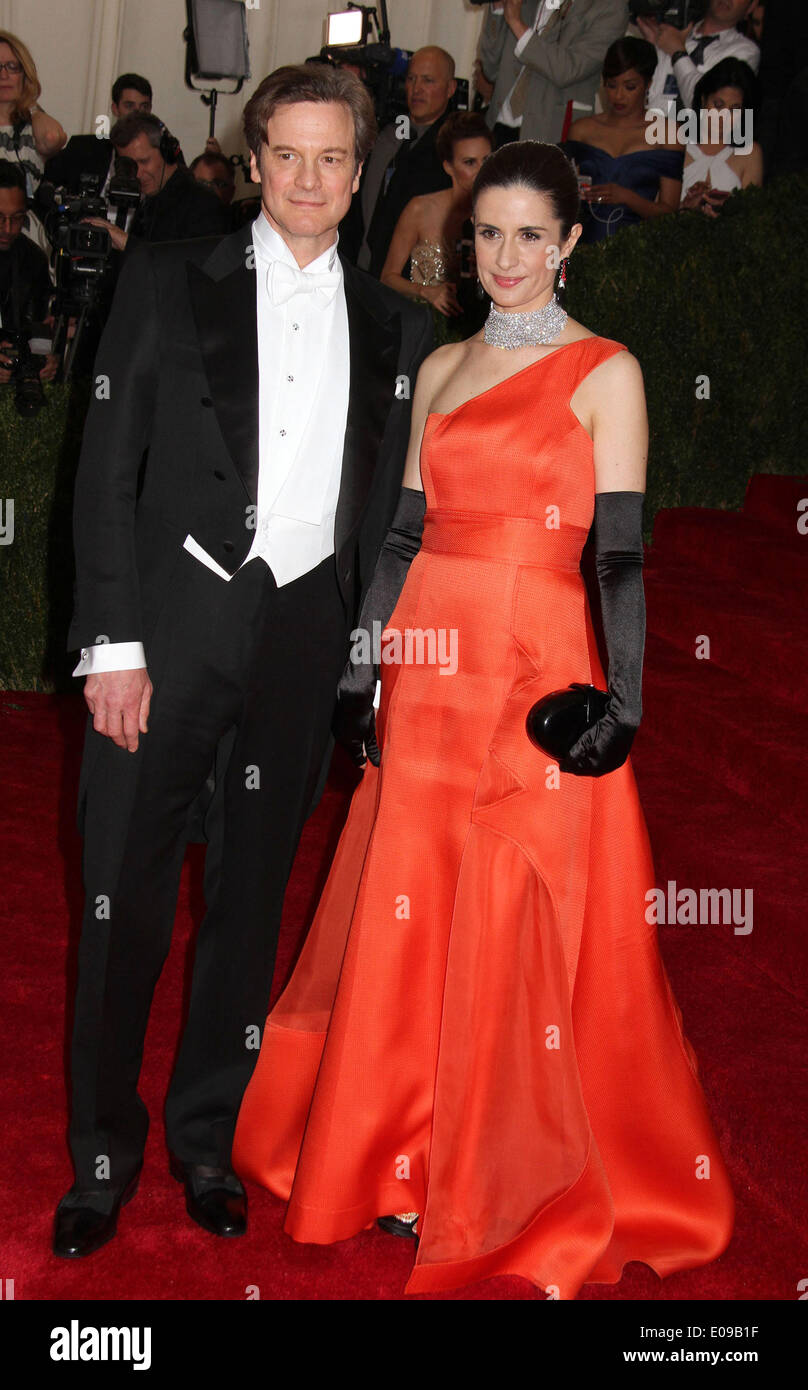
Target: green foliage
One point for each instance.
(695, 297)
(39, 458)
(690, 297)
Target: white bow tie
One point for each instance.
(284, 280)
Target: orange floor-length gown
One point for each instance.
(480, 1027)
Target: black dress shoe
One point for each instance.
(81, 1230)
(214, 1197)
(403, 1225)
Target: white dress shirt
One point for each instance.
(303, 387)
(543, 13)
(683, 75)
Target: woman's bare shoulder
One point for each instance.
(575, 331)
(617, 376)
(582, 129)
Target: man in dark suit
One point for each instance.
(263, 378)
(174, 207)
(94, 154)
(404, 162)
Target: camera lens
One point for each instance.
(29, 396)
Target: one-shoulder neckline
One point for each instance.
(445, 414)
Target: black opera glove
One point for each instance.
(354, 722)
(618, 561)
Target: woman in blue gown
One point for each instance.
(624, 177)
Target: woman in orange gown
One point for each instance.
(479, 1028)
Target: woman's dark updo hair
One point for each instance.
(625, 54)
(460, 125)
(542, 168)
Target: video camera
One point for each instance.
(83, 262)
(26, 351)
(679, 13)
(82, 252)
(383, 68)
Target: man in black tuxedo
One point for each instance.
(262, 377)
(94, 154)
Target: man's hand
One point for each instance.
(664, 36)
(481, 82)
(5, 365)
(119, 703)
(513, 18)
(51, 367)
(117, 235)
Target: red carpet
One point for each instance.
(722, 768)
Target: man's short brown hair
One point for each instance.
(311, 82)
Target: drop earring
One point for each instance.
(562, 279)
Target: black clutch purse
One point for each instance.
(557, 721)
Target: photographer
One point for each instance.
(686, 54)
(25, 287)
(544, 55)
(175, 207)
(398, 168)
(215, 172)
(91, 154)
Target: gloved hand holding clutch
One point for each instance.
(354, 722)
(618, 561)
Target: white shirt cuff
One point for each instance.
(111, 656)
(522, 43)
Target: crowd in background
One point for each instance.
(612, 93)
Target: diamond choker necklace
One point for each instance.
(524, 330)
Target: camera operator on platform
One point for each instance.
(95, 154)
(175, 207)
(25, 286)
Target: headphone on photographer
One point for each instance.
(169, 145)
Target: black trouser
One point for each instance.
(242, 664)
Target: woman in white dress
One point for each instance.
(713, 171)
